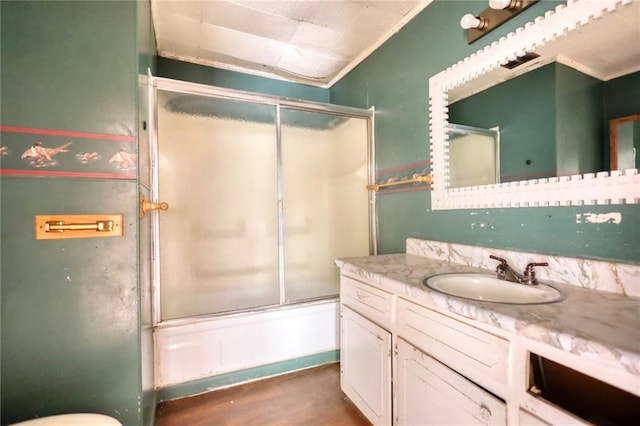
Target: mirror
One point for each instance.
(597, 41)
(551, 119)
(474, 155)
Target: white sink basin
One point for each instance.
(487, 288)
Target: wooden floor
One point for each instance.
(309, 397)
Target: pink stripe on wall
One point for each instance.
(13, 172)
(122, 138)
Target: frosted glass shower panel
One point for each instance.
(325, 203)
(218, 172)
(473, 156)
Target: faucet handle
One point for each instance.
(501, 260)
(530, 273)
(502, 268)
(530, 266)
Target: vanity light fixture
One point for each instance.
(498, 12)
(503, 4)
(470, 21)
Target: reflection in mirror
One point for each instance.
(554, 118)
(473, 156)
(625, 142)
(555, 130)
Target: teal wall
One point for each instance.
(178, 70)
(579, 104)
(395, 80)
(71, 309)
(620, 96)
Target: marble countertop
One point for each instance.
(593, 324)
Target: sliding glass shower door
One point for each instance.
(325, 211)
(263, 198)
(217, 169)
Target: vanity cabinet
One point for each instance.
(474, 353)
(430, 393)
(442, 369)
(450, 370)
(365, 355)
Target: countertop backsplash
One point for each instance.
(620, 278)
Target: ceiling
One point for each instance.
(304, 41)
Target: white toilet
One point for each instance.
(82, 419)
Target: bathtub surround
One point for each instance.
(208, 353)
(235, 378)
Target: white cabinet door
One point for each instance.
(365, 357)
(429, 393)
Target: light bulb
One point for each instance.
(500, 4)
(470, 21)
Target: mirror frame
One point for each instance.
(602, 188)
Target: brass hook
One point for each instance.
(148, 206)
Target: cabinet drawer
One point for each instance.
(431, 394)
(370, 301)
(476, 354)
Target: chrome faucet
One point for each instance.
(505, 272)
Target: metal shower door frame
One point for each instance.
(171, 85)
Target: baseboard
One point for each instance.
(208, 384)
(150, 402)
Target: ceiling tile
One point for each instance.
(244, 19)
(178, 28)
(373, 23)
(185, 8)
(306, 41)
(398, 7)
(299, 62)
(328, 14)
(368, 27)
(311, 64)
(313, 36)
(296, 10)
(248, 47)
(173, 48)
(221, 60)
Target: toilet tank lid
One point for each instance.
(79, 419)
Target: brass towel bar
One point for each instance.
(55, 227)
(414, 179)
(60, 226)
